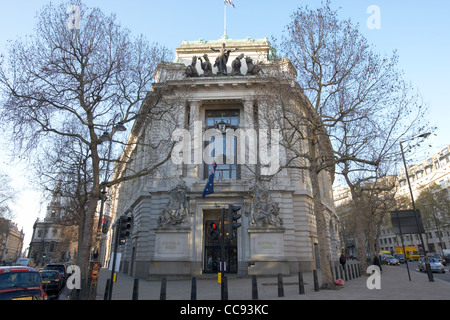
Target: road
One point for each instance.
(414, 268)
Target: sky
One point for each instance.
(418, 30)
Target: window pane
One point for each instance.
(226, 170)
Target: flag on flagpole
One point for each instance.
(209, 188)
(229, 2)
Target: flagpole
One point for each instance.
(224, 20)
(218, 173)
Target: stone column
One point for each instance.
(196, 132)
(248, 139)
(248, 114)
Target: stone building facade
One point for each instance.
(434, 170)
(210, 109)
(11, 241)
(52, 241)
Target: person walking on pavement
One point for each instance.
(342, 261)
(376, 261)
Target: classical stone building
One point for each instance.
(435, 170)
(213, 96)
(52, 240)
(11, 241)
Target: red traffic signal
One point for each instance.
(214, 230)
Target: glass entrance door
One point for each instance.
(213, 237)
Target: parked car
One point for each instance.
(61, 267)
(435, 265)
(441, 259)
(400, 257)
(446, 255)
(384, 257)
(21, 283)
(51, 281)
(390, 260)
(351, 256)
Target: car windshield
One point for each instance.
(50, 275)
(19, 280)
(61, 268)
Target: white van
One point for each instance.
(25, 262)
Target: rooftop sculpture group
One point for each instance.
(221, 64)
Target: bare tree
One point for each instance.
(308, 147)
(69, 81)
(7, 196)
(434, 205)
(359, 100)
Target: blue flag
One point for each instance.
(209, 188)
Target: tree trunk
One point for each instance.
(327, 276)
(84, 251)
(361, 251)
(86, 244)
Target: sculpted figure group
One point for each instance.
(221, 64)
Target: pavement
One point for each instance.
(394, 285)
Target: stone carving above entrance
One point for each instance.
(236, 66)
(252, 69)
(176, 214)
(265, 213)
(206, 66)
(221, 65)
(191, 71)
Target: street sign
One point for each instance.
(119, 257)
(405, 222)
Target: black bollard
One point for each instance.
(340, 272)
(194, 289)
(353, 271)
(254, 288)
(345, 272)
(135, 295)
(301, 285)
(336, 272)
(105, 296)
(163, 295)
(280, 286)
(224, 289)
(316, 281)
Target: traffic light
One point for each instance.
(214, 230)
(233, 217)
(124, 228)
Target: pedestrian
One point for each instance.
(376, 261)
(342, 261)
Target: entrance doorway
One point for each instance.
(212, 226)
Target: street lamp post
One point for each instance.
(427, 263)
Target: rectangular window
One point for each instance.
(223, 150)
